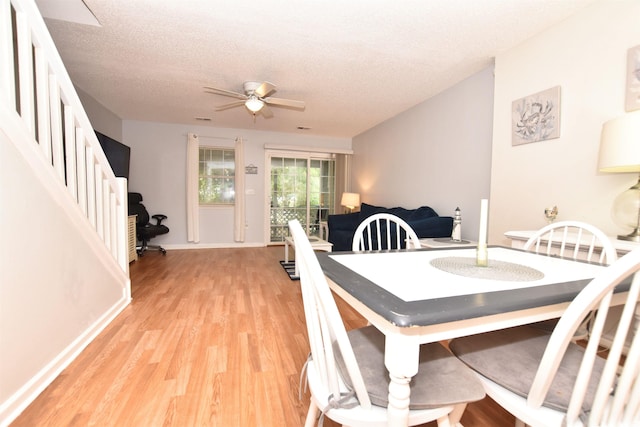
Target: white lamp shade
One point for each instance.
(254, 104)
(350, 200)
(620, 144)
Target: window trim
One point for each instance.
(222, 149)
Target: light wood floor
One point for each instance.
(213, 337)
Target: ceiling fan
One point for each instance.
(255, 98)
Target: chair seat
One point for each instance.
(510, 358)
(150, 230)
(545, 379)
(442, 380)
(358, 416)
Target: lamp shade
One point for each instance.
(254, 104)
(620, 144)
(350, 200)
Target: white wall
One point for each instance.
(57, 286)
(158, 171)
(438, 153)
(586, 56)
(102, 119)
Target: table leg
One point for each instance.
(401, 357)
(286, 251)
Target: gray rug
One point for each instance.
(290, 268)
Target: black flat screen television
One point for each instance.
(117, 154)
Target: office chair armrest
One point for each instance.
(159, 218)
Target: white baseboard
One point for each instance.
(211, 245)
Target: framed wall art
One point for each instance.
(536, 117)
(633, 79)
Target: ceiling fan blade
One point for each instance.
(285, 102)
(266, 112)
(225, 92)
(265, 89)
(230, 105)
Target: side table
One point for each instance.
(316, 243)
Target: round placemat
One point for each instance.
(496, 270)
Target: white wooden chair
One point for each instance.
(345, 371)
(589, 242)
(384, 231)
(547, 380)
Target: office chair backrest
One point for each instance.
(137, 208)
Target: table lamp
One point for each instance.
(620, 153)
(350, 200)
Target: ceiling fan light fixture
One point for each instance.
(254, 104)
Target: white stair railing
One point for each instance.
(38, 101)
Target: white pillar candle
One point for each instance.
(484, 220)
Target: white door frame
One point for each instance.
(308, 155)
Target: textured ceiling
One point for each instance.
(355, 63)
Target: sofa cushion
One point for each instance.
(439, 226)
(348, 221)
(408, 215)
(424, 220)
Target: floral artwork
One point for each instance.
(536, 117)
(633, 79)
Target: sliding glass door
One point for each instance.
(302, 187)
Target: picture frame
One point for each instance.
(536, 117)
(633, 79)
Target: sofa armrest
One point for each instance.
(341, 229)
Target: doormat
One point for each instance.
(290, 269)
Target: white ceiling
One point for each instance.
(355, 63)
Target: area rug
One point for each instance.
(290, 269)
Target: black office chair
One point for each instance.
(144, 229)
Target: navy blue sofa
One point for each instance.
(424, 220)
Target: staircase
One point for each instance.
(64, 272)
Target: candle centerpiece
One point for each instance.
(482, 257)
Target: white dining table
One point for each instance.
(428, 295)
